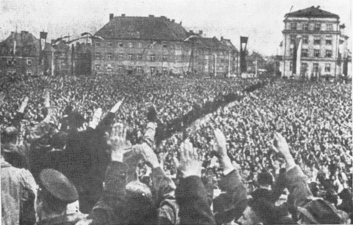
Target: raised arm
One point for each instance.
(191, 194)
(230, 183)
(296, 180)
(108, 209)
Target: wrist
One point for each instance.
(117, 157)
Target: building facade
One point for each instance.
(320, 36)
(21, 54)
(157, 45)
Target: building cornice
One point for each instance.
(314, 32)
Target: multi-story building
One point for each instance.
(321, 35)
(21, 53)
(157, 45)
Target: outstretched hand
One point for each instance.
(23, 105)
(117, 141)
(149, 156)
(221, 144)
(2, 97)
(190, 165)
(117, 106)
(47, 99)
(281, 146)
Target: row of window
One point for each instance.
(121, 44)
(138, 57)
(316, 53)
(138, 69)
(317, 40)
(316, 67)
(305, 26)
(14, 61)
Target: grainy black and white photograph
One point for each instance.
(176, 112)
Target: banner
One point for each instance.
(243, 45)
(299, 57)
(42, 39)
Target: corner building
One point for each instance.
(324, 45)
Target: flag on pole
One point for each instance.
(243, 45)
(42, 39)
(299, 57)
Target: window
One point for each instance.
(109, 68)
(120, 56)
(305, 26)
(26, 50)
(29, 62)
(29, 72)
(152, 58)
(139, 45)
(139, 69)
(304, 52)
(305, 40)
(292, 39)
(109, 56)
(165, 58)
(110, 44)
(328, 41)
(316, 67)
(316, 40)
(164, 44)
(121, 44)
(120, 69)
(98, 43)
(291, 66)
(129, 57)
(152, 69)
(316, 53)
(98, 66)
(131, 45)
(329, 27)
(293, 26)
(291, 52)
(317, 26)
(129, 68)
(328, 54)
(327, 67)
(98, 55)
(139, 57)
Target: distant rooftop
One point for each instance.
(312, 12)
(145, 28)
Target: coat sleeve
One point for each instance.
(236, 191)
(164, 188)
(108, 209)
(296, 183)
(279, 186)
(192, 199)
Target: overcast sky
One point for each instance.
(260, 20)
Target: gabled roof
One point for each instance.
(145, 28)
(312, 12)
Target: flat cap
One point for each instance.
(58, 185)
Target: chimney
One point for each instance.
(221, 38)
(200, 32)
(191, 31)
(123, 15)
(181, 23)
(111, 16)
(150, 15)
(173, 20)
(318, 7)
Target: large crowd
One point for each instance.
(284, 146)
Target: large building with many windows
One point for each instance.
(158, 45)
(322, 43)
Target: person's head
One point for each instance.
(140, 207)
(265, 179)
(9, 135)
(263, 212)
(56, 192)
(58, 140)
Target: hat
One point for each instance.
(320, 212)
(58, 185)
